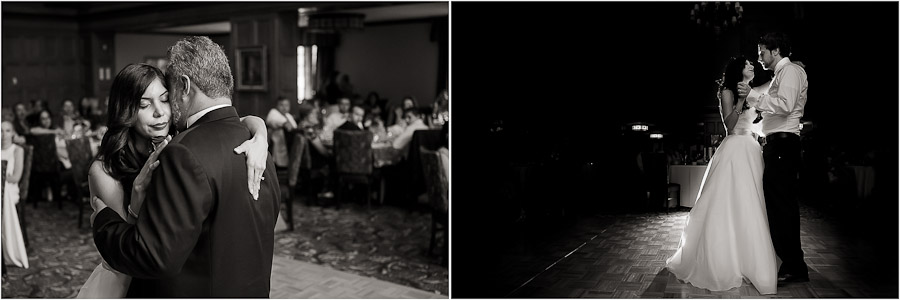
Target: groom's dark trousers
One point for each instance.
(199, 233)
(780, 186)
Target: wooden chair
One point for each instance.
(81, 156)
(45, 167)
(353, 160)
(298, 168)
(437, 188)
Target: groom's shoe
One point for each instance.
(787, 278)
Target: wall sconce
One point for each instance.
(639, 127)
(656, 136)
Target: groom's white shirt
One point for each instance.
(783, 105)
(193, 118)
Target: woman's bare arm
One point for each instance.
(108, 189)
(17, 170)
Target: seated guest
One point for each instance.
(320, 155)
(70, 121)
(90, 111)
(376, 125)
(396, 118)
(20, 113)
(311, 129)
(336, 119)
(357, 114)
(34, 117)
(45, 124)
(40, 181)
(413, 117)
(281, 123)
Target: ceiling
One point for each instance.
(375, 14)
(206, 17)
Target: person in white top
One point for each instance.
(336, 119)
(413, 117)
(781, 107)
(280, 122)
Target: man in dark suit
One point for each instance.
(355, 122)
(200, 233)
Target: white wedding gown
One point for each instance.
(13, 243)
(726, 237)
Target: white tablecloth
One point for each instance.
(689, 177)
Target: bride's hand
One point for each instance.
(743, 89)
(257, 151)
(142, 181)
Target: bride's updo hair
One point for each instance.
(117, 151)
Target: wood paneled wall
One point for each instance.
(42, 59)
(276, 31)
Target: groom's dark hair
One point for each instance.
(776, 40)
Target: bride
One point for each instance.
(139, 128)
(726, 237)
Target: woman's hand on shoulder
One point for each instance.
(142, 181)
(257, 151)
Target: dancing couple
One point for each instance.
(747, 211)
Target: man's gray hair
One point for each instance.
(204, 62)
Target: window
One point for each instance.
(306, 72)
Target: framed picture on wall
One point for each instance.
(251, 68)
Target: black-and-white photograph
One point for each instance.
(225, 150)
(675, 150)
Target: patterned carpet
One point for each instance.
(386, 243)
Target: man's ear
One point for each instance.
(186, 81)
(776, 51)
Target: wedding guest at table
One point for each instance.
(54, 181)
(280, 123)
(321, 157)
(91, 112)
(413, 117)
(397, 117)
(357, 115)
(13, 155)
(34, 117)
(70, 121)
(441, 108)
(19, 123)
(45, 124)
(336, 119)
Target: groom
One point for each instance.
(781, 110)
(200, 232)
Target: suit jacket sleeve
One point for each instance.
(169, 224)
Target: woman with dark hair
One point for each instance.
(396, 118)
(727, 237)
(19, 122)
(139, 127)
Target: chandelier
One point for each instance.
(717, 16)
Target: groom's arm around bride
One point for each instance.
(200, 232)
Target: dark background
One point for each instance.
(554, 84)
